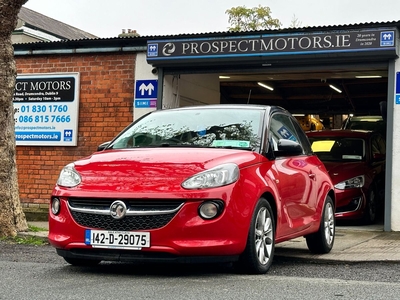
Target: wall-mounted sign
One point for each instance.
(46, 109)
(146, 93)
(146, 89)
(258, 47)
(397, 84)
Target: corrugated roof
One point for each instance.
(41, 22)
(142, 40)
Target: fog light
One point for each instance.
(55, 206)
(210, 209)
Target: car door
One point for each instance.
(295, 177)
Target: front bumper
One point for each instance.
(185, 236)
(351, 204)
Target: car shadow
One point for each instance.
(156, 269)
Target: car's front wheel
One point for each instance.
(371, 207)
(322, 240)
(258, 255)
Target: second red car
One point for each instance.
(355, 160)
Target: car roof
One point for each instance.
(266, 108)
(366, 118)
(341, 133)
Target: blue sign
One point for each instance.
(68, 135)
(145, 103)
(387, 38)
(47, 136)
(286, 134)
(146, 89)
(398, 83)
(152, 50)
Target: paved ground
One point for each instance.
(352, 243)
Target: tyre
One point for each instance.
(81, 262)
(322, 240)
(258, 255)
(370, 207)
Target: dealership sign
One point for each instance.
(46, 109)
(258, 46)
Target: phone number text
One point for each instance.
(44, 119)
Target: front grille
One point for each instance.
(88, 215)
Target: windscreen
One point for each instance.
(338, 148)
(226, 128)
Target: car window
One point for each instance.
(229, 128)
(372, 123)
(303, 139)
(281, 127)
(338, 148)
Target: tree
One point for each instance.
(256, 18)
(295, 23)
(12, 218)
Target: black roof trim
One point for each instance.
(129, 41)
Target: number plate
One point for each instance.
(117, 239)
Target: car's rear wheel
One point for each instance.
(258, 255)
(81, 262)
(322, 240)
(371, 207)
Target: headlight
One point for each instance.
(215, 177)
(356, 182)
(69, 177)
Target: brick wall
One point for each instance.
(105, 108)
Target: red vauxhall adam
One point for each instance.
(211, 183)
(355, 160)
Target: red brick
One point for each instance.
(106, 95)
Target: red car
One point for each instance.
(211, 183)
(355, 160)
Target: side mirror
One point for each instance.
(288, 148)
(102, 146)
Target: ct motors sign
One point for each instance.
(269, 45)
(46, 109)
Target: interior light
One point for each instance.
(265, 86)
(369, 76)
(224, 77)
(335, 88)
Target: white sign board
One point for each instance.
(46, 109)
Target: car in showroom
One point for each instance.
(355, 160)
(373, 123)
(215, 183)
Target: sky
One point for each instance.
(105, 18)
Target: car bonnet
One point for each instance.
(153, 169)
